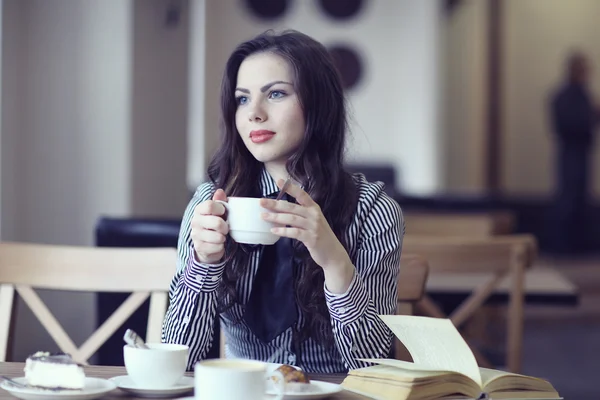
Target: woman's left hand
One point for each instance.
(305, 222)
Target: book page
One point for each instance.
(434, 344)
(489, 375)
(406, 365)
(390, 370)
(502, 381)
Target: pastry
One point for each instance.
(291, 374)
(54, 371)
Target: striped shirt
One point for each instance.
(374, 239)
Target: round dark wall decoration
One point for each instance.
(267, 9)
(349, 63)
(341, 9)
(451, 5)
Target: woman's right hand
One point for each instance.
(209, 229)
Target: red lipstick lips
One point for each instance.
(261, 136)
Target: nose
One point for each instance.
(257, 114)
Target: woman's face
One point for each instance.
(269, 117)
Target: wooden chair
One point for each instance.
(459, 224)
(414, 270)
(411, 287)
(498, 256)
(144, 272)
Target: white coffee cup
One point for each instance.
(219, 379)
(159, 367)
(245, 222)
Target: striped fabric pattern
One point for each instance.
(375, 243)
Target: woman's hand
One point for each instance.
(209, 229)
(305, 222)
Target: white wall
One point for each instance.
(94, 107)
(76, 117)
(11, 116)
(200, 144)
(72, 118)
(1, 158)
(464, 127)
(538, 35)
(159, 110)
(395, 110)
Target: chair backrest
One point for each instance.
(412, 280)
(414, 270)
(459, 224)
(463, 254)
(497, 256)
(145, 272)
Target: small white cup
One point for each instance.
(159, 367)
(245, 222)
(219, 379)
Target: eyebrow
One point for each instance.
(264, 88)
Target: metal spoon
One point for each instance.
(14, 383)
(132, 339)
(284, 188)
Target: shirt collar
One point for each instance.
(267, 184)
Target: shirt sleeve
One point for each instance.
(373, 291)
(192, 310)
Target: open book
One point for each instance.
(444, 367)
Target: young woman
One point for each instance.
(313, 298)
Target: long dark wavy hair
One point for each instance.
(319, 156)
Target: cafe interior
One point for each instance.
(110, 115)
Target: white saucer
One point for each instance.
(313, 391)
(94, 388)
(124, 382)
(317, 390)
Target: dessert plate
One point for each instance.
(184, 385)
(314, 391)
(94, 388)
(307, 391)
(301, 391)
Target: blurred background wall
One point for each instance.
(538, 35)
(93, 123)
(464, 107)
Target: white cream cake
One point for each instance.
(54, 371)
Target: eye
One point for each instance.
(241, 100)
(276, 94)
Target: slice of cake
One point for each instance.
(54, 371)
